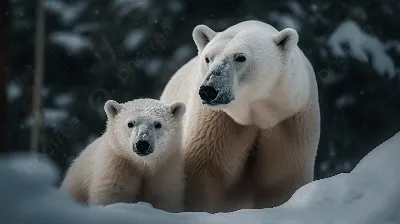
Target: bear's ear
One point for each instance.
(178, 109)
(287, 39)
(202, 35)
(112, 108)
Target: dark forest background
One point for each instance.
(95, 50)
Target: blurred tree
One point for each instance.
(3, 70)
(37, 111)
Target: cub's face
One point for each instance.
(239, 66)
(145, 128)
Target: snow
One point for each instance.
(14, 91)
(127, 6)
(153, 66)
(133, 39)
(175, 6)
(183, 52)
(284, 20)
(44, 92)
(64, 100)
(344, 100)
(87, 27)
(72, 42)
(387, 9)
(360, 12)
(370, 194)
(361, 45)
(69, 13)
(52, 117)
(297, 9)
(395, 44)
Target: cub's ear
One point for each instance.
(202, 35)
(178, 109)
(287, 39)
(112, 108)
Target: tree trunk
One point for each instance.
(37, 114)
(3, 70)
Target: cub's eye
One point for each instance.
(131, 124)
(207, 60)
(157, 125)
(240, 58)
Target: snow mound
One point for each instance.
(361, 45)
(370, 194)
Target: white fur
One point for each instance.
(153, 111)
(276, 74)
(109, 171)
(272, 106)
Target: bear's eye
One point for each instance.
(157, 125)
(207, 60)
(131, 124)
(240, 58)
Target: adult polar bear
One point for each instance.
(252, 125)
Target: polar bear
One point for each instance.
(138, 158)
(252, 126)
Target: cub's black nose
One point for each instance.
(142, 147)
(208, 93)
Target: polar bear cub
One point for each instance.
(138, 158)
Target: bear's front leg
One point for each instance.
(275, 189)
(110, 189)
(272, 196)
(282, 166)
(106, 194)
(170, 197)
(110, 193)
(204, 194)
(167, 186)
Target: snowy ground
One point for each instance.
(370, 194)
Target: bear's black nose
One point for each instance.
(208, 93)
(142, 147)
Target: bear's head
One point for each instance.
(241, 65)
(144, 129)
